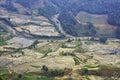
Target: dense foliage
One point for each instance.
(103, 39)
(118, 32)
(71, 8)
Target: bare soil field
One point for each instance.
(39, 30)
(99, 21)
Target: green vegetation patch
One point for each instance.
(67, 53)
(80, 49)
(19, 51)
(77, 43)
(89, 56)
(35, 66)
(3, 72)
(27, 77)
(103, 70)
(92, 66)
(43, 51)
(2, 41)
(118, 32)
(88, 43)
(53, 73)
(3, 33)
(75, 58)
(43, 78)
(63, 45)
(103, 39)
(84, 70)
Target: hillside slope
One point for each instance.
(68, 10)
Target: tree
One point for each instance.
(103, 39)
(44, 68)
(69, 40)
(84, 70)
(118, 32)
(35, 12)
(19, 76)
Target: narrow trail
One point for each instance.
(57, 22)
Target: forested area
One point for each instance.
(109, 7)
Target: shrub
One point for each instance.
(103, 39)
(44, 68)
(77, 61)
(63, 45)
(69, 40)
(20, 51)
(53, 73)
(1, 78)
(56, 73)
(2, 41)
(77, 43)
(118, 32)
(84, 70)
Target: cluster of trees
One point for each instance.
(118, 32)
(72, 27)
(2, 41)
(9, 6)
(103, 39)
(48, 11)
(71, 8)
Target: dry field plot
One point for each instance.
(41, 31)
(22, 19)
(20, 42)
(99, 21)
(34, 25)
(84, 17)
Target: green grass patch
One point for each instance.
(53, 73)
(92, 66)
(3, 72)
(67, 53)
(3, 43)
(43, 51)
(28, 77)
(3, 33)
(77, 43)
(88, 43)
(84, 70)
(63, 45)
(80, 49)
(77, 60)
(87, 78)
(3, 40)
(19, 51)
(43, 78)
(35, 66)
(89, 57)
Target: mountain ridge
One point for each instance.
(67, 10)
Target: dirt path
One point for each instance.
(57, 22)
